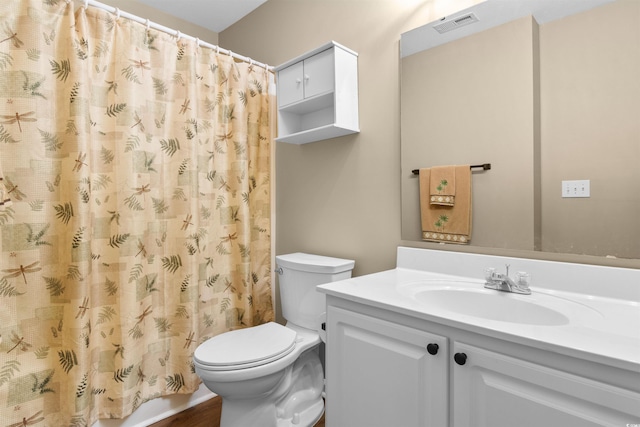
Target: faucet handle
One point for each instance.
(489, 273)
(523, 279)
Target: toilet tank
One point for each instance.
(298, 275)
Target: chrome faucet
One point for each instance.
(504, 283)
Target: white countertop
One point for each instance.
(607, 329)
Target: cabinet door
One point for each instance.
(319, 73)
(290, 87)
(494, 390)
(381, 374)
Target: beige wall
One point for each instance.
(341, 197)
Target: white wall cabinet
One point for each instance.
(318, 95)
(380, 373)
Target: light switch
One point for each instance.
(576, 188)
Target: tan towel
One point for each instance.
(443, 185)
(450, 224)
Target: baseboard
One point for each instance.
(159, 409)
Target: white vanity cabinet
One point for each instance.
(380, 372)
(384, 374)
(318, 95)
(493, 390)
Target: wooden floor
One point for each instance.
(206, 414)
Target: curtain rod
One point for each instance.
(176, 33)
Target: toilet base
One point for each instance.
(295, 402)
(307, 418)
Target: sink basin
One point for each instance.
(493, 306)
(471, 299)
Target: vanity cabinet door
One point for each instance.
(383, 374)
(494, 390)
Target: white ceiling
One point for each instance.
(215, 15)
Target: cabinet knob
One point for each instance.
(433, 348)
(306, 77)
(460, 358)
(298, 81)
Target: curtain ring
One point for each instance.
(147, 23)
(86, 4)
(178, 35)
(117, 13)
(197, 42)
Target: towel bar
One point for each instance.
(484, 166)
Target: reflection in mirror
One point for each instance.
(544, 99)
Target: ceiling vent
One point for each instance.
(456, 23)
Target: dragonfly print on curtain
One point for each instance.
(135, 210)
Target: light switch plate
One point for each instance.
(576, 188)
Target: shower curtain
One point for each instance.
(134, 210)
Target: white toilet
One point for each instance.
(271, 375)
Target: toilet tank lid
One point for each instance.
(314, 263)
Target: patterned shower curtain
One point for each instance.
(134, 210)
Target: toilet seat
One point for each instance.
(246, 348)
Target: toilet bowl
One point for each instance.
(271, 375)
(284, 383)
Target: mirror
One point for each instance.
(547, 95)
